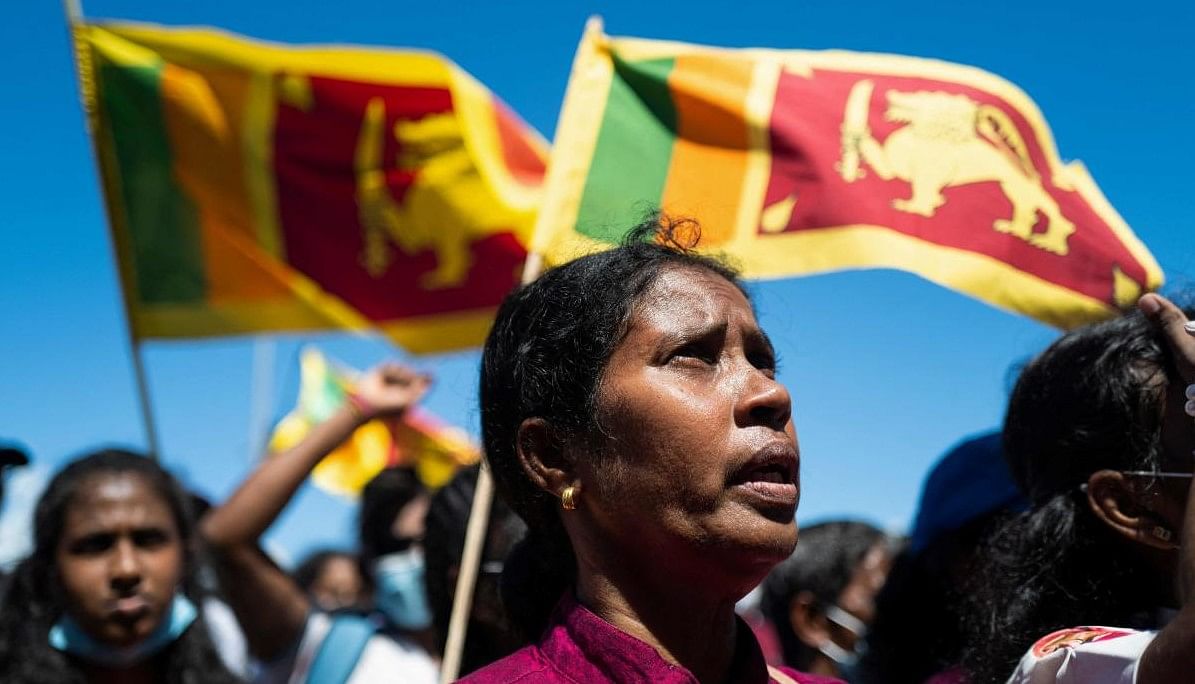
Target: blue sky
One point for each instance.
(886, 370)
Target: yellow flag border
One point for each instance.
(439, 333)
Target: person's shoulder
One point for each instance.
(384, 657)
(1092, 655)
(524, 666)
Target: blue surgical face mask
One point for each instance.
(67, 636)
(400, 593)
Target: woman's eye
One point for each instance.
(148, 539)
(92, 544)
(766, 362)
(696, 352)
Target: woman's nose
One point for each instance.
(125, 570)
(764, 402)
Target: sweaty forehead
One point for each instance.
(116, 500)
(695, 294)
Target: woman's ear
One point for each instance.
(1119, 502)
(808, 621)
(540, 453)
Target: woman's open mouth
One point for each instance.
(770, 476)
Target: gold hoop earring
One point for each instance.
(568, 498)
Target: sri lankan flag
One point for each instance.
(258, 187)
(418, 439)
(800, 162)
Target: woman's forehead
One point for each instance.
(103, 498)
(698, 292)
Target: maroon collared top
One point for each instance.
(579, 646)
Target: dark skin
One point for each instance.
(271, 608)
(672, 524)
(1170, 658)
(119, 560)
(339, 584)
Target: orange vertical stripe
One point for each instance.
(709, 158)
(205, 113)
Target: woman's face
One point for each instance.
(339, 584)
(699, 459)
(120, 558)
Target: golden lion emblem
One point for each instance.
(950, 140)
(438, 207)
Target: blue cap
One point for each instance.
(970, 481)
(12, 454)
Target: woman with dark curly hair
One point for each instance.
(1097, 437)
(632, 417)
(109, 593)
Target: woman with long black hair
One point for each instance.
(1084, 585)
(109, 593)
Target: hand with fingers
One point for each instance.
(1171, 658)
(1179, 332)
(388, 390)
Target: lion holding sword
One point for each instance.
(948, 140)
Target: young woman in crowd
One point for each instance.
(110, 592)
(632, 417)
(296, 642)
(822, 598)
(1098, 434)
(489, 635)
(393, 508)
(333, 580)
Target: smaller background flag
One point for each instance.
(419, 439)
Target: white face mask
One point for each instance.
(400, 592)
(844, 659)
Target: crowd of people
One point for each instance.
(647, 472)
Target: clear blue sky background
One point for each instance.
(887, 371)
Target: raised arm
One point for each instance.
(1170, 658)
(271, 608)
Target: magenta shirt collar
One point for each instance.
(579, 646)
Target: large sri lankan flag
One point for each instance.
(800, 162)
(256, 187)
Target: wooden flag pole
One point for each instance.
(261, 395)
(74, 18)
(147, 413)
(480, 514)
(475, 536)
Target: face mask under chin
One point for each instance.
(67, 636)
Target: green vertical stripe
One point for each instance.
(163, 227)
(634, 149)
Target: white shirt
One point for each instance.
(1084, 655)
(383, 660)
